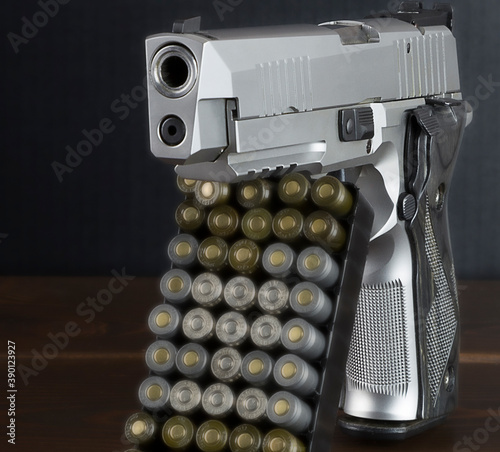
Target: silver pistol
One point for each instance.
(376, 101)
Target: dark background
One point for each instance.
(116, 208)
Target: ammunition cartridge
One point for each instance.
(164, 321)
(186, 186)
(212, 436)
(154, 393)
(254, 193)
(240, 293)
(178, 433)
(141, 429)
(176, 286)
(244, 256)
(323, 228)
(279, 260)
(266, 332)
(189, 216)
(257, 224)
(185, 397)
(310, 302)
(301, 338)
(294, 374)
(257, 368)
(288, 225)
(192, 360)
(160, 357)
(198, 325)
(232, 328)
(210, 194)
(223, 221)
(183, 250)
(207, 289)
(213, 253)
(226, 364)
(251, 405)
(246, 438)
(273, 297)
(218, 400)
(316, 265)
(288, 411)
(280, 440)
(294, 189)
(330, 194)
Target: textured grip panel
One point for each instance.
(441, 323)
(379, 359)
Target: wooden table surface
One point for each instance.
(79, 400)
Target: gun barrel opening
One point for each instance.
(174, 70)
(172, 131)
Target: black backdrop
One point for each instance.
(74, 70)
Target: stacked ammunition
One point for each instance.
(242, 335)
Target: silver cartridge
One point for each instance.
(176, 286)
(257, 368)
(266, 332)
(198, 325)
(288, 411)
(164, 321)
(294, 374)
(232, 328)
(240, 293)
(310, 302)
(218, 400)
(279, 260)
(207, 289)
(154, 393)
(301, 338)
(226, 364)
(273, 297)
(251, 405)
(192, 360)
(183, 250)
(316, 265)
(185, 397)
(160, 357)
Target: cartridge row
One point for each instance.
(179, 433)
(272, 296)
(256, 368)
(294, 190)
(232, 329)
(244, 256)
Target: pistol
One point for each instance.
(377, 103)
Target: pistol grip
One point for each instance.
(404, 352)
